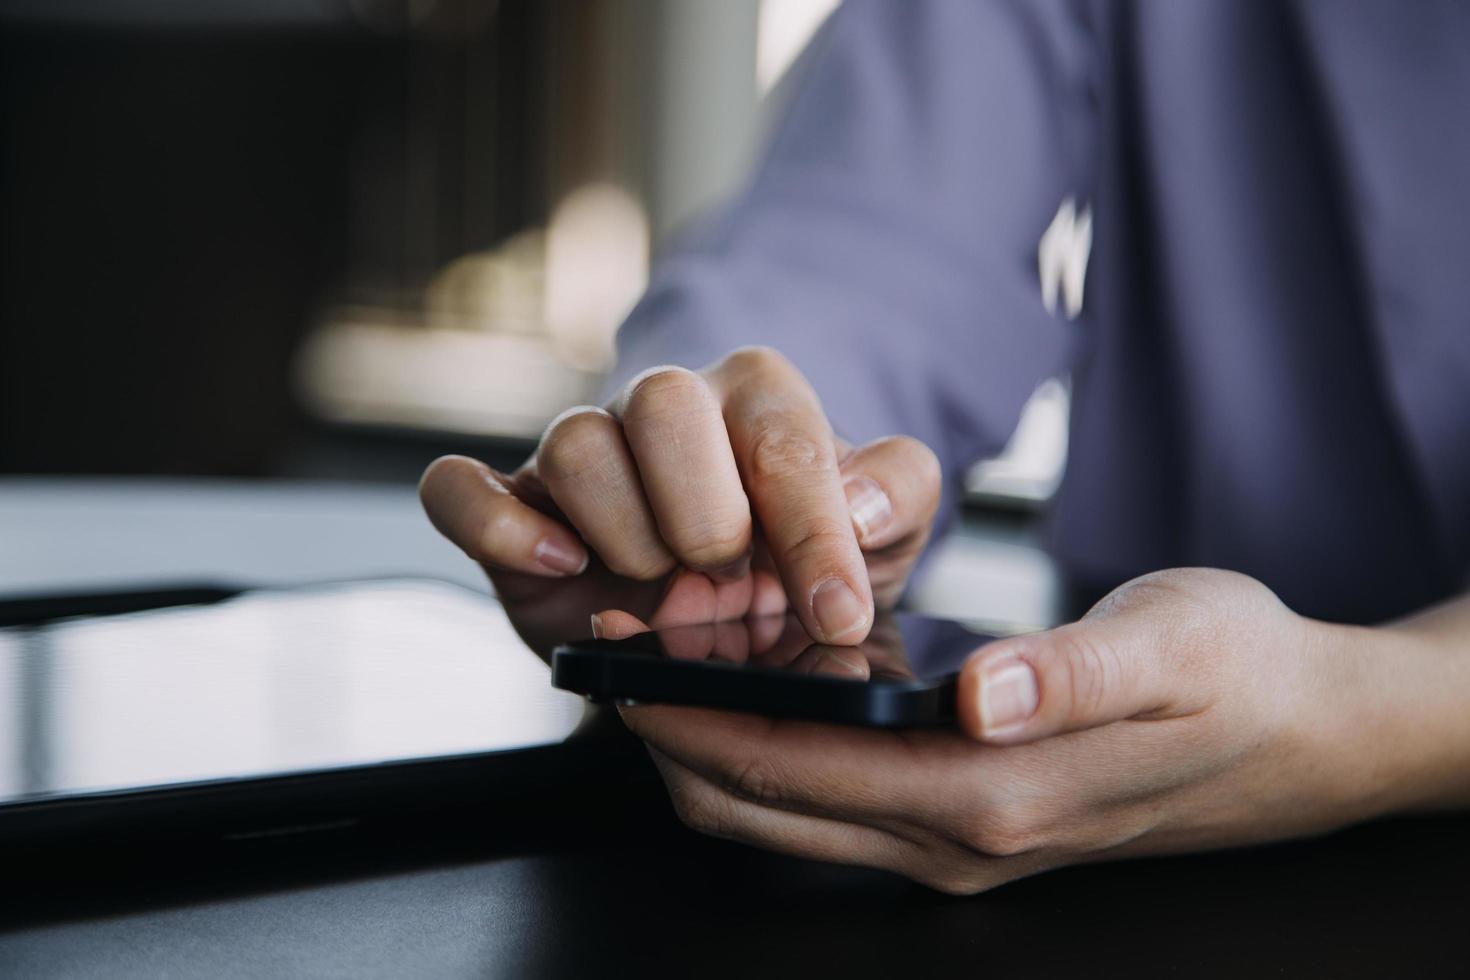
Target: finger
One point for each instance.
(677, 435)
(732, 643)
(693, 598)
(733, 598)
(696, 642)
(588, 470)
(1014, 804)
(820, 770)
(728, 641)
(765, 632)
(473, 506)
(934, 861)
(784, 450)
(706, 808)
(885, 653)
(1093, 672)
(892, 488)
(615, 624)
(791, 642)
(842, 663)
(767, 597)
(688, 599)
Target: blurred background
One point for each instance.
(333, 239)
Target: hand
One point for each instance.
(663, 482)
(774, 642)
(1190, 709)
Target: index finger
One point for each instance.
(787, 460)
(809, 767)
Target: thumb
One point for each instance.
(1078, 676)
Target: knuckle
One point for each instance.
(641, 565)
(818, 536)
(498, 524)
(701, 810)
(1170, 588)
(1093, 671)
(575, 441)
(443, 471)
(920, 469)
(755, 780)
(446, 496)
(957, 883)
(1183, 611)
(780, 449)
(928, 473)
(915, 452)
(755, 359)
(666, 392)
(1185, 594)
(1005, 835)
(1008, 843)
(712, 543)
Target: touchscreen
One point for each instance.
(268, 683)
(900, 646)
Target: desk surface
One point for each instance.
(614, 885)
(635, 894)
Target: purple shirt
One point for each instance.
(1271, 369)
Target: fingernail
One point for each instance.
(837, 609)
(1008, 696)
(870, 507)
(559, 558)
(596, 626)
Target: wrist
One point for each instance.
(1395, 718)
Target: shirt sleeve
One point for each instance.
(887, 241)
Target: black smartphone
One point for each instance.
(902, 676)
(246, 713)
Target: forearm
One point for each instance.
(885, 242)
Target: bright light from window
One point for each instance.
(596, 268)
(783, 30)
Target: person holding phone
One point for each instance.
(1241, 230)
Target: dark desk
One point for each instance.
(615, 887)
(608, 883)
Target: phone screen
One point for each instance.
(265, 684)
(899, 647)
(902, 675)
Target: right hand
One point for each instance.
(647, 504)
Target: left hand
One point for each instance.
(1190, 709)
